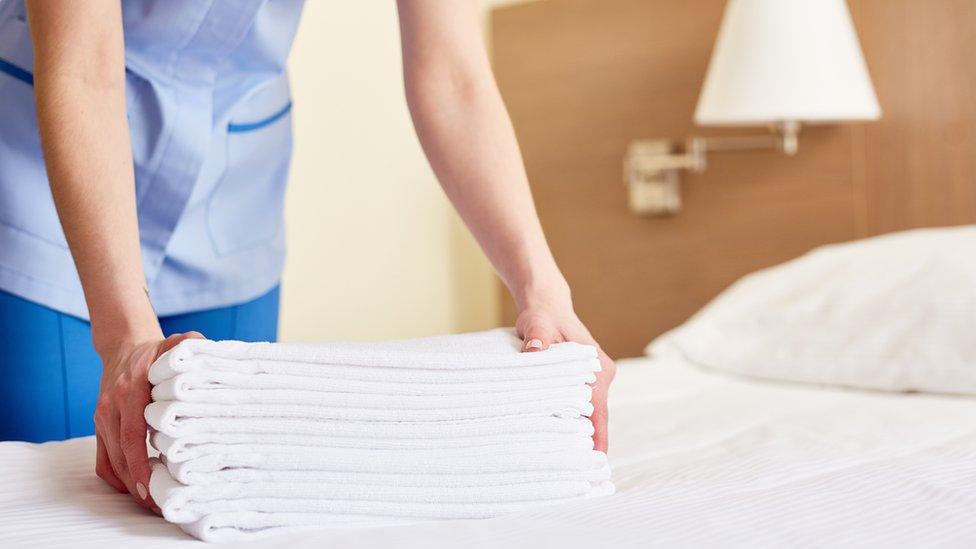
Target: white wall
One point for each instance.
(375, 251)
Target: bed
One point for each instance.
(829, 401)
(700, 459)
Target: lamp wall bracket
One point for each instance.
(651, 166)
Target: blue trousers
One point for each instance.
(49, 371)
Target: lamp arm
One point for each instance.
(651, 166)
(783, 137)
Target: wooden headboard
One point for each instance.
(582, 78)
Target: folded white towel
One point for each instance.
(248, 525)
(181, 385)
(492, 356)
(490, 350)
(190, 447)
(334, 503)
(181, 451)
(260, 437)
(166, 416)
(170, 364)
(433, 462)
(245, 475)
(188, 426)
(182, 503)
(173, 389)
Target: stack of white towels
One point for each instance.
(259, 437)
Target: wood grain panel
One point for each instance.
(920, 158)
(582, 78)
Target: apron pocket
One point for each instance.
(245, 210)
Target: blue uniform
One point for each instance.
(49, 372)
(209, 115)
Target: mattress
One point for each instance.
(700, 460)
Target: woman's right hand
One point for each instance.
(122, 458)
(79, 93)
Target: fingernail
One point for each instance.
(141, 490)
(534, 344)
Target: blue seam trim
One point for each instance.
(16, 72)
(64, 378)
(251, 126)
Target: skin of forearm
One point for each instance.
(84, 134)
(469, 140)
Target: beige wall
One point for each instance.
(375, 251)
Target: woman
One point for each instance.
(164, 129)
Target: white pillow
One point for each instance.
(894, 313)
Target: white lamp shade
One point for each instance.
(786, 60)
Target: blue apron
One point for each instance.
(209, 115)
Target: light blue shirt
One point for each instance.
(209, 115)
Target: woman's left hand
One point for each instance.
(459, 115)
(549, 321)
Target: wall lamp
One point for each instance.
(776, 63)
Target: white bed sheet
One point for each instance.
(700, 460)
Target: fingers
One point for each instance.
(175, 339)
(600, 419)
(113, 448)
(122, 458)
(133, 441)
(103, 467)
(608, 369)
(601, 390)
(536, 336)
